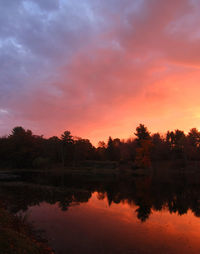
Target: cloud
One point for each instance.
(98, 66)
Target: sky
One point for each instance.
(99, 68)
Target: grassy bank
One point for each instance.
(16, 237)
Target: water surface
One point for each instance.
(112, 215)
(96, 227)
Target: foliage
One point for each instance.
(16, 237)
(142, 133)
(23, 149)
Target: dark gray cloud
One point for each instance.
(36, 38)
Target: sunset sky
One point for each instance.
(99, 67)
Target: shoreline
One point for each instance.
(17, 236)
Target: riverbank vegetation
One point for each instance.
(23, 149)
(17, 237)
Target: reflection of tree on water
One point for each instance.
(147, 193)
(143, 212)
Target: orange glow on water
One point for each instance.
(96, 225)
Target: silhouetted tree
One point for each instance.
(142, 133)
(83, 150)
(53, 149)
(101, 150)
(67, 147)
(110, 149)
(194, 137)
(144, 147)
(23, 147)
(159, 149)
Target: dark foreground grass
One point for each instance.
(17, 238)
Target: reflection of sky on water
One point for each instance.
(96, 227)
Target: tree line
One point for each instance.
(23, 149)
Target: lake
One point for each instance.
(110, 214)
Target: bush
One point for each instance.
(41, 162)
